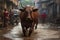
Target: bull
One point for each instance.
(29, 20)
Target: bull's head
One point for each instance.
(27, 12)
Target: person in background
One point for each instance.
(43, 17)
(6, 17)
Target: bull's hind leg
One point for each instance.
(36, 24)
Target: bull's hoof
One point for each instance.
(29, 35)
(24, 35)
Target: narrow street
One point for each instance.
(30, 12)
(42, 33)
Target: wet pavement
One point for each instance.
(42, 33)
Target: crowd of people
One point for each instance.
(9, 18)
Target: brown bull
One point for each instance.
(35, 16)
(28, 19)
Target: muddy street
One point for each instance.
(42, 33)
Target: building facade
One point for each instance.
(9, 4)
(43, 6)
(58, 7)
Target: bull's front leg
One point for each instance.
(31, 29)
(23, 29)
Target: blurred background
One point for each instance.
(49, 31)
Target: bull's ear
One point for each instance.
(35, 10)
(21, 10)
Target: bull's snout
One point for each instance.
(28, 19)
(29, 16)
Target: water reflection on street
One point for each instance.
(42, 33)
